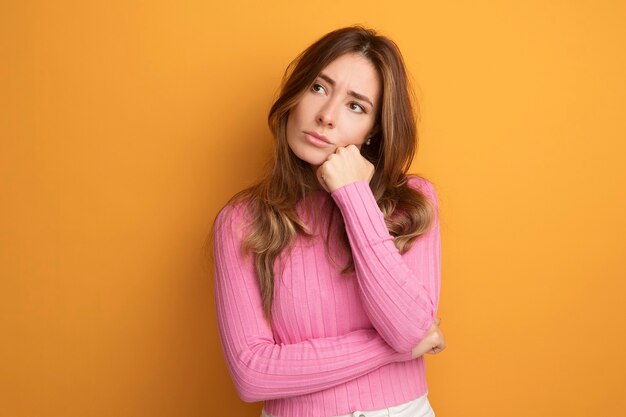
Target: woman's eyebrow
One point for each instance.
(351, 93)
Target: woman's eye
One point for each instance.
(359, 108)
(318, 88)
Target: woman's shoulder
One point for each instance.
(424, 186)
(236, 212)
(420, 183)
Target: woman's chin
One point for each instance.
(314, 161)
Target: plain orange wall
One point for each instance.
(125, 126)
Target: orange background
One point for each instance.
(125, 126)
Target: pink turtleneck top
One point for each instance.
(337, 343)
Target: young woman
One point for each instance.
(327, 271)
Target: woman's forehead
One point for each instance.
(353, 72)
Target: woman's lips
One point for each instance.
(314, 139)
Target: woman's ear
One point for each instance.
(374, 131)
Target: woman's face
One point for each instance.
(341, 106)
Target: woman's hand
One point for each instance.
(343, 167)
(433, 342)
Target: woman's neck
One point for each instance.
(315, 183)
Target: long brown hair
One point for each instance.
(271, 202)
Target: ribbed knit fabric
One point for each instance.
(338, 343)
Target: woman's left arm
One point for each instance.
(400, 293)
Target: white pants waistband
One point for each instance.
(419, 407)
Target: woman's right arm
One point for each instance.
(260, 368)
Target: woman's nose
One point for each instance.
(326, 116)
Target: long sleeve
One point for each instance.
(260, 368)
(400, 293)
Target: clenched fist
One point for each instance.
(432, 342)
(344, 167)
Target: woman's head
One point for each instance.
(340, 108)
(350, 86)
